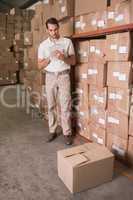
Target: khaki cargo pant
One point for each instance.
(59, 85)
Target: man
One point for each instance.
(55, 55)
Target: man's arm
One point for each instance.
(42, 63)
(70, 60)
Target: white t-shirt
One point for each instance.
(48, 46)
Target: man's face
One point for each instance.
(53, 31)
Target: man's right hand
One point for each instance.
(42, 63)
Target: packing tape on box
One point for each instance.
(123, 49)
(116, 74)
(101, 23)
(113, 120)
(95, 135)
(94, 111)
(84, 76)
(82, 53)
(99, 99)
(100, 141)
(92, 71)
(94, 22)
(113, 46)
(92, 49)
(83, 25)
(122, 77)
(111, 15)
(78, 24)
(101, 121)
(119, 18)
(97, 51)
(115, 96)
(63, 9)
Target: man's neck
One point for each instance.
(54, 39)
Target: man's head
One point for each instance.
(52, 26)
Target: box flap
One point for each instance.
(77, 159)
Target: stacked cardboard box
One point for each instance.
(120, 13)
(90, 15)
(119, 81)
(81, 88)
(97, 75)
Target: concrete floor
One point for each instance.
(28, 168)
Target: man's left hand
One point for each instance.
(59, 55)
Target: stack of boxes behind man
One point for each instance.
(13, 26)
(63, 11)
(119, 79)
(109, 73)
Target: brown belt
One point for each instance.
(67, 71)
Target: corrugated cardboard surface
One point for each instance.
(81, 72)
(98, 116)
(86, 22)
(98, 50)
(82, 51)
(83, 167)
(119, 47)
(119, 74)
(86, 6)
(117, 124)
(119, 99)
(98, 96)
(97, 73)
(117, 145)
(97, 134)
(67, 27)
(120, 12)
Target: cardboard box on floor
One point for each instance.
(117, 124)
(82, 51)
(119, 74)
(87, 6)
(119, 47)
(120, 13)
(85, 166)
(119, 99)
(98, 96)
(97, 73)
(97, 134)
(117, 145)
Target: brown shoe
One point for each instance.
(68, 139)
(51, 137)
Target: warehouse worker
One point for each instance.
(55, 55)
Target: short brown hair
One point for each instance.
(53, 21)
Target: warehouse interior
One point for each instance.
(99, 163)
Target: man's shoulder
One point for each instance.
(66, 39)
(44, 42)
